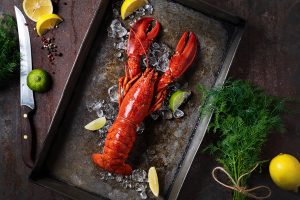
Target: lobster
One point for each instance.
(140, 93)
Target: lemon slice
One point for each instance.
(36, 8)
(177, 98)
(153, 181)
(47, 22)
(129, 6)
(96, 124)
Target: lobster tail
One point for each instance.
(119, 141)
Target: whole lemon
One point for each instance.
(285, 172)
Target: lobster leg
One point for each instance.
(180, 61)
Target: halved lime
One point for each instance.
(153, 181)
(177, 98)
(96, 124)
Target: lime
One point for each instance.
(39, 80)
(153, 181)
(129, 6)
(177, 98)
(96, 124)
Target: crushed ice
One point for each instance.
(141, 128)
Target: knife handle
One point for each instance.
(27, 136)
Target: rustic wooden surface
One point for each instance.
(269, 55)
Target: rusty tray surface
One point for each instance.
(65, 159)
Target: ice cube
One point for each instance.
(118, 55)
(116, 29)
(119, 178)
(101, 142)
(140, 187)
(99, 113)
(116, 13)
(155, 46)
(178, 113)
(165, 48)
(113, 93)
(102, 176)
(130, 184)
(143, 195)
(144, 175)
(166, 114)
(101, 134)
(108, 111)
(155, 115)
(124, 185)
(138, 175)
(151, 151)
(121, 45)
(141, 128)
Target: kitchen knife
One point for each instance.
(27, 100)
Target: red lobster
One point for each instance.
(142, 93)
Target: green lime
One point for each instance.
(177, 98)
(96, 124)
(39, 80)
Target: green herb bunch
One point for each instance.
(9, 53)
(243, 116)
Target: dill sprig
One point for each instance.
(243, 117)
(9, 53)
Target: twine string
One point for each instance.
(236, 186)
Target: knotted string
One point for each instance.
(236, 184)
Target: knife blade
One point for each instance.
(26, 94)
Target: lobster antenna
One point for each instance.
(131, 29)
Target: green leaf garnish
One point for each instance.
(9, 53)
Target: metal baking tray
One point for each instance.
(64, 163)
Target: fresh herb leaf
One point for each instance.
(9, 53)
(243, 117)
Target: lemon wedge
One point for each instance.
(96, 124)
(36, 8)
(47, 22)
(153, 181)
(129, 6)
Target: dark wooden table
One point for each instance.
(269, 55)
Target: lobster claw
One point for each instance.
(181, 60)
(139, 42)
(184, 54)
